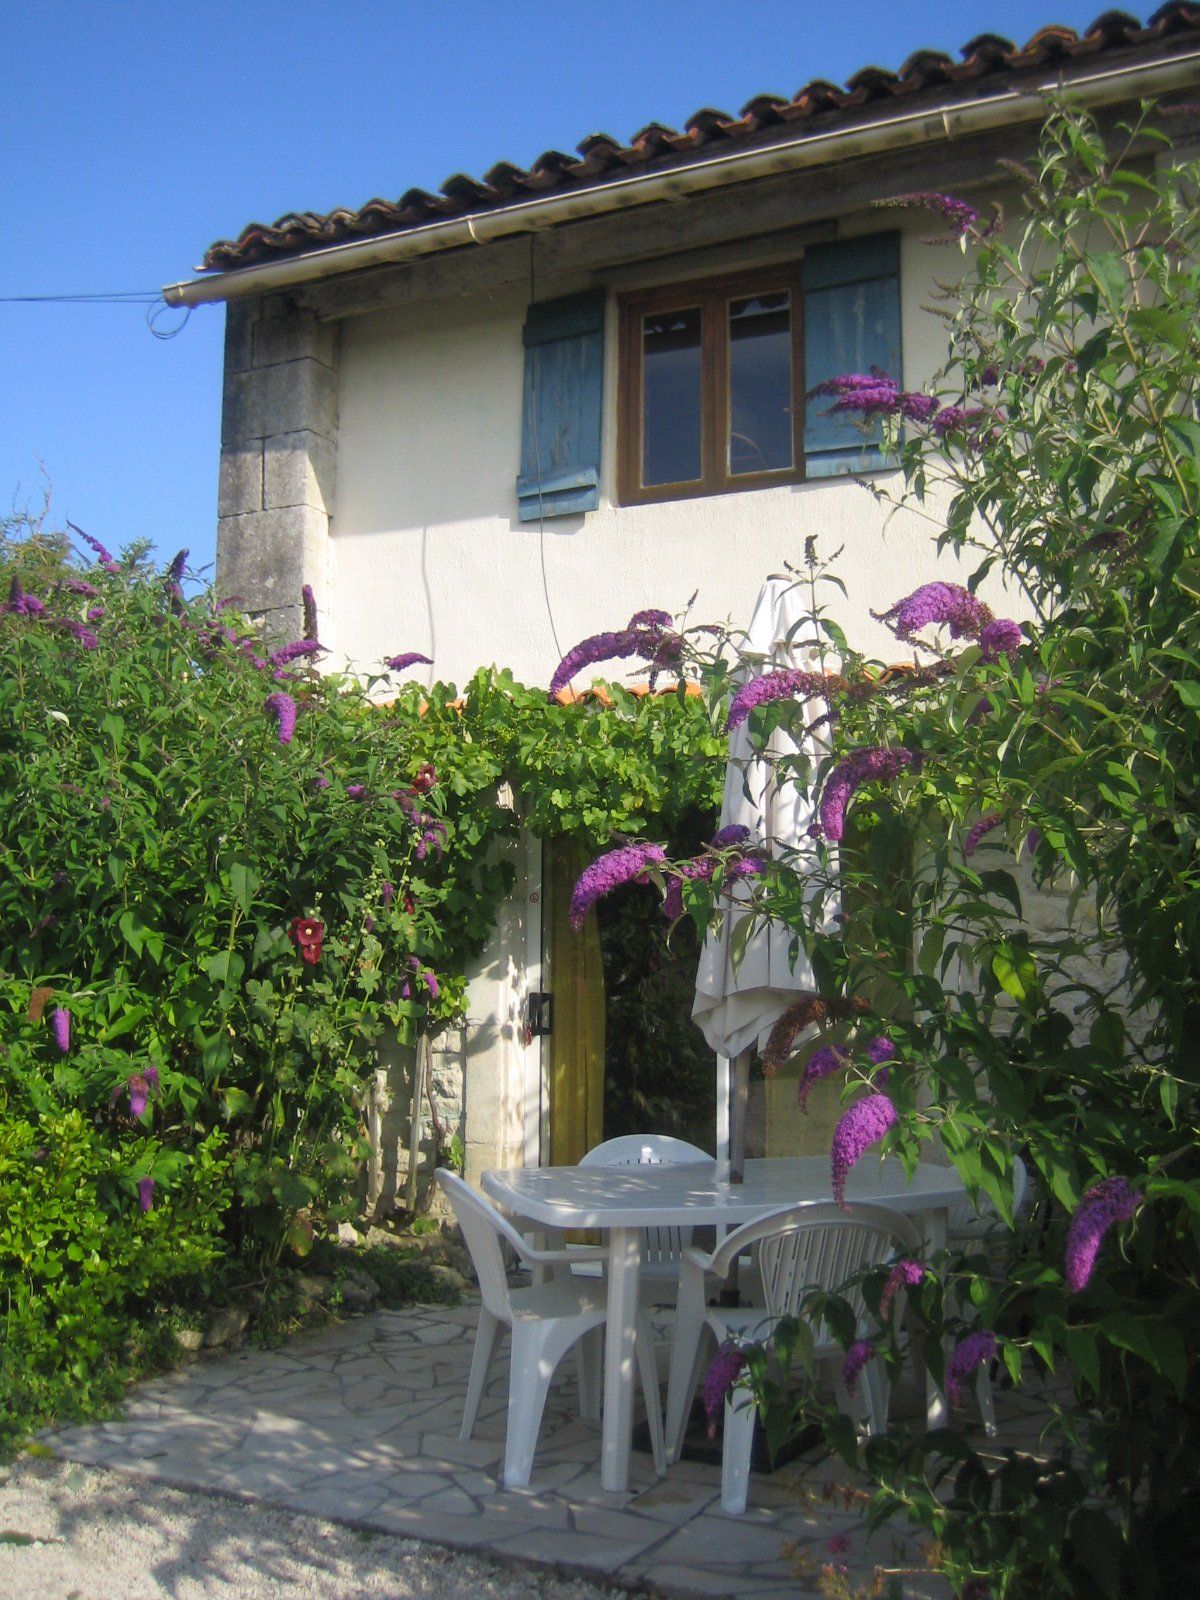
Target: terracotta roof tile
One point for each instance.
(925, 72)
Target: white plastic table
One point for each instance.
(621, 1201)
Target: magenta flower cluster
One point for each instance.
(863, 1125)
(960, 214)
(976, 832)
(723, 1372)
(781, 685)
(874, 394)
(609, 872)
(60, 1027)
(937, 603)
(648, 636)
(905, 1274)
(298, 650)
(407, 658)
(1113, 1200)
(861, 766)
(856, 1358)
(967, 1356)
(1001, 637)
(832, 1057)
(283, 708)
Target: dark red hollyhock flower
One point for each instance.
(306, 934)
(425, 780)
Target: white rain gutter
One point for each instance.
(790, 155)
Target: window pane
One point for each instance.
(760, 384)
(671, 396)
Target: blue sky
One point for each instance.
(136, 133)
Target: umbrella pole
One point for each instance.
(739, 1096)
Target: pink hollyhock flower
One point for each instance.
(60, 1027)
(306, 933)
(968, 1355)
(856, 1358)
(426, 779)
(283, 708)
(861, 1126)
(862, 766)
(609, 872)
(1113, 1200)
(407, 658)
(782, 685)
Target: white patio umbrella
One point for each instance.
(737, 1008)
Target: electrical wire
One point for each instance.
(537, 466)
(155, 305)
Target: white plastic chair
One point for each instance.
(545, 1320)
(967, 1227)
(661, 1247)
(801, 1247)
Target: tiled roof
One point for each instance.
(926, 73)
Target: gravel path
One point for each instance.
(76, 1533)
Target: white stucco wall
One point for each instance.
(427, 552)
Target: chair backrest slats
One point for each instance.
(660, 1246)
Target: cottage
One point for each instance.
(485, 423)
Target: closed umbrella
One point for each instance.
(736, 1007)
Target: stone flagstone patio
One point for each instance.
(359, 1422)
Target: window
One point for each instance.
(713, 374)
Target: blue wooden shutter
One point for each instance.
(560, 433)
(851, 324)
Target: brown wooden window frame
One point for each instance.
(712, 297)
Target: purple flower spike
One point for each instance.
(145, 1190)
(60, 1027)
(1113, 1200)
(309, 601)
(672, 905)
(320, 782)
(609, 872)
(863, 766)
(175, 570)
(771, 686)
(961, 215)
(647, 636)
(937, 603)
(863, 1125)
(828, 1059)
(875, 394)
(881, 1049)
(282, 707)
(355, 791)
(985, 825)
(904, 1275)
(856, 1358)
(408, 658)
(139, 1093)
(722, 1374)
(295, 651)
(80, 586)
(735, 833)
(968, 1355)
(103, 558)
(95, 613)
(387, 890)
(1000, 638)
